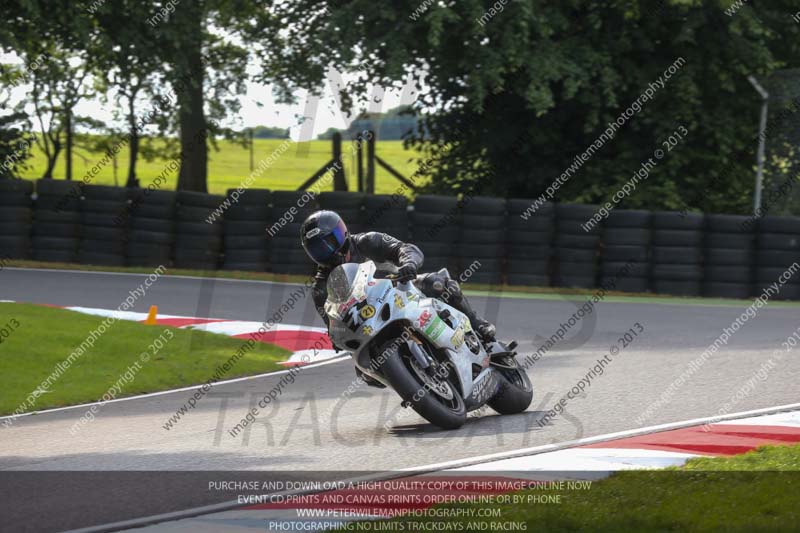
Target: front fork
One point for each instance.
(423, 359)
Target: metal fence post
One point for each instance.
(371, 163)
(360, 161)
(339, 182)
(762, 134)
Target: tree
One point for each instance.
(15, 144)
(48, 38)
(190, 48)
(520, 92)
(328, 134)
(125, 56)
(56, 89)
(207, 70)
(266, 132)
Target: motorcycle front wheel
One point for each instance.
(516, 391)
(428, 391)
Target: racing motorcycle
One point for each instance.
(421, 347)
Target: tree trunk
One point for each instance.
(51, 160)
(194, 150)
(133, 144)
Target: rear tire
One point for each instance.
(516, 391)
(397, 369)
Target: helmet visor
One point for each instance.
(323, 247)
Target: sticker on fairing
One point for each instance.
(457, 340)
(367, 312)
(436, 328)
(424, 318)
(385, 294)
(345, 306)
(367, 330)
(484, 388)
(398, 301)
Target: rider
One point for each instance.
(328, 243)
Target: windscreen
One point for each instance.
(340, 282)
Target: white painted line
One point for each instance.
(173, 391)
(139, 522)
(208, 509)
(224, 326)
(585, 460)
(196, 511)
(542, 296)
(242, 327)
(599, 438)
(781, 419)
(176, 276)
(118, 315)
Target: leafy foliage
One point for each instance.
(190, 55)
(521, 94)
(15, 145)
(266, 132)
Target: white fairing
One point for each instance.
(360, 306)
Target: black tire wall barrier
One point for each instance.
(489, 240)
(245, 238)
(575, 249)
(16, 216)
(625, 249)
(56, 221)
(150, 221)
(289, 209)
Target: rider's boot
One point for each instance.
(441, 285)
(483, 327)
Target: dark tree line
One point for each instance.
(519, 96)
(507, 98)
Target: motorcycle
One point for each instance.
(423, 348)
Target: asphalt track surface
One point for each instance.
(298, 434)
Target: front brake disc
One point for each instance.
(442, 389)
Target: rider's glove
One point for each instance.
(407, 272)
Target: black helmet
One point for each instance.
(325, 238)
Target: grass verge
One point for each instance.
(756, 491)
(229, 165)
(471, 289)
(39, 338)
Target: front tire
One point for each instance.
(435, 407)
(516, 391)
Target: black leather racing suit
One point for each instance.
(383, 248)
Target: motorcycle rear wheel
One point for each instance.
(433, 407)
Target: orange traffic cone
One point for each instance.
(151, 316)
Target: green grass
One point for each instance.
(46, 336)
(757, 491)
(765, 458)
(231, 164)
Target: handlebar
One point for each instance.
(394, 278)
